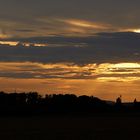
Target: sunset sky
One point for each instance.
(89, 47)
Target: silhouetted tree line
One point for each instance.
(33, 103)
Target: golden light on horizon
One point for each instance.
(119, 68)
(118, 79)
(127, 65)
(136, 30)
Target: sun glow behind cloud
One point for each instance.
(136, 30)
(119, 68)
(117, 72)
(11, 43)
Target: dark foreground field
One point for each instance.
(98, 127)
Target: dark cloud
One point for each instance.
(102, 48)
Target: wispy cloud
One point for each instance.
(52, 26)
(103, 72)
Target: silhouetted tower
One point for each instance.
(119, 100)
(135, 101)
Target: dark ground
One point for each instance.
(97, 127)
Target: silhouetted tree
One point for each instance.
(119, 100)
(33, 103)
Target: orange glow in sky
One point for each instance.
(91, 79)
(136, 30)
(81, 47)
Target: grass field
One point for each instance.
(98, 127)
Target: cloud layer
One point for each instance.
(40, 17)
(102, 48)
